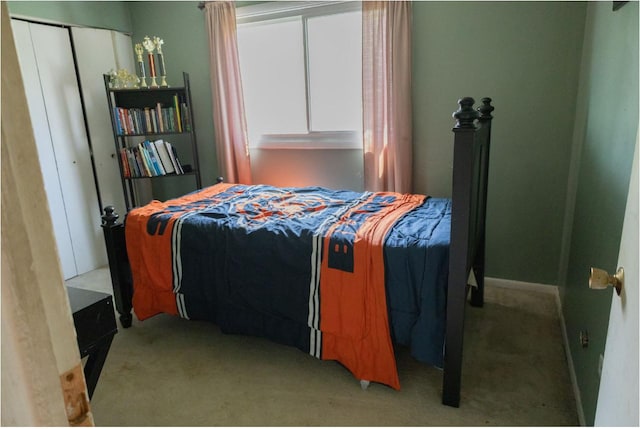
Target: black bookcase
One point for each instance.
(148, 115)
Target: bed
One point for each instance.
(341, 275)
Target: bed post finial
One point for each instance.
(110, 216)
(486, 109)
(465, 115)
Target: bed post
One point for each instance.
(477, 293)
(464, 132)
(118, 264)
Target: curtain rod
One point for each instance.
(201, 5)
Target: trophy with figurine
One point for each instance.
(163, 71)
(141, 70)
(150, 46)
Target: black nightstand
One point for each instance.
(95, 324)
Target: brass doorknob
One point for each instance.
(600, 279)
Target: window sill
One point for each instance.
(288, 146)
(336, 140)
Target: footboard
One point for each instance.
(121, 279)
(467, 246)
(118, 265)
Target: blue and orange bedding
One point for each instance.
(339, 274)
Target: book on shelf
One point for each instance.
(172, 158)
(130, 125)
(173, 154)
(186, 117)
(118, 121)
(161, 148)
(150, 159)
(176, 107)
(147, 120)
(154, 120)
(122, 121)
(154, 158)
(157, 119)
(141, 165)
(148, 167)
(133, 164)
(175, 157)
(166, 121)
(125, 163)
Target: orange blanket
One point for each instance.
(355, 325)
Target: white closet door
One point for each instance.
(95, 56)
(123, 48)
(46, 155)
(115, 52)
(52, 47)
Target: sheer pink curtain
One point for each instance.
(386, 93)
(228, 106)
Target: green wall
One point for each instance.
(99, 14)
(526, 56)
(186, 48)
(605, 130)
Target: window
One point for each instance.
(301, 68)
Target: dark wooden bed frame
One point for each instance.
(472, 136)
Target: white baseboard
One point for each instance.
(572, 369)
(550, 289)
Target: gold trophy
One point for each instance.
(123, 79)
(163, 71)
(150, 46)
(143, 79)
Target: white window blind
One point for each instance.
(301, 67)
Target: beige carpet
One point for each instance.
(166, 371)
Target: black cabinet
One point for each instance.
(95, 323)
(154, 135)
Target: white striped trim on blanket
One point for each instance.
(182, 308)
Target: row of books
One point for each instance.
(156, 119)
(150, 159)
